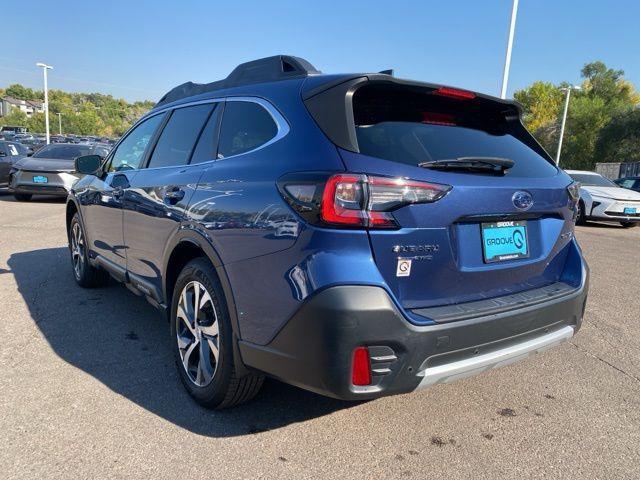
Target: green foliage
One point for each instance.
(542, 102)
(619, 140)
(82, 113)
(598, 115)
(23, 93)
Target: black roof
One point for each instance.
(269, 69)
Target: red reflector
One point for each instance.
(361, 369)
(455, 93)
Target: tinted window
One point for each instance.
(592, 180)
(245, 127)
(626, 183)
(179, 136)
(206, 148)
(63, 151)
(129, 153)
(411, 127)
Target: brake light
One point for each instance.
(367, 201)
(361, 367)
(455, 93)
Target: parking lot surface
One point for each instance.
(88, 389)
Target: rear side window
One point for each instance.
(411, 126)
(179, 136)
(245, 126)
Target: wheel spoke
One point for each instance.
(182, 315)
(213, 346)
(210, 330)
(187, 354)
(205, 369)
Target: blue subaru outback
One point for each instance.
(356, 235)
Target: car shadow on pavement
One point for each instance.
(123, 342)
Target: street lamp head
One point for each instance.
(44, 65)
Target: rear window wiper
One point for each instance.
(479, 164)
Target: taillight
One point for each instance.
(367, 201)
(361, 367)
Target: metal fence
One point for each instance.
(614, 171)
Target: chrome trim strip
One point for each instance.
(280, 121)
(481, 363)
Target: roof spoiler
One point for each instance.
(269, 69)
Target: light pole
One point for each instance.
(59, 123)
(45, 67)
(507, 60)
(564, 118)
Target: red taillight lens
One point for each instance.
(455, 93)
(361, 367)
(366, 201)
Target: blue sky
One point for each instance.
(139, 49)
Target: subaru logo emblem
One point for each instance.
(522, 200)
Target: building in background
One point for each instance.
(29, 107)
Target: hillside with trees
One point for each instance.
(603, 123)
(82, 113)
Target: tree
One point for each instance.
(82, 113)
(23, 93)
(605, 95)
(619, 140)
(541, 102)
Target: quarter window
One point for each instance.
(205, 150)
(245, 126)
(130, 152)
(179, 136)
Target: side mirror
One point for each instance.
(3, 153)
(88, 164)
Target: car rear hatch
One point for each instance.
(496, 232)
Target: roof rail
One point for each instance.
(269, 69)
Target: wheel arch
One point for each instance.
(185, 246)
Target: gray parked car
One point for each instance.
(50, 171)
(10, 153)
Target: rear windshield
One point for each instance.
(411, 126)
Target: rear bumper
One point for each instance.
(314, 349)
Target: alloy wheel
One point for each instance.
(197, 333)
(77, 249)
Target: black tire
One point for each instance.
(22, 197)
(581, 219)
(86, 275)
(628, 224)
(213, 386)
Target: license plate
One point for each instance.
(40, 179)
(630, 210)
(503, 241)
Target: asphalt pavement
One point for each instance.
(88, 389)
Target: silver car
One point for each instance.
(50, 171)
(603, 200)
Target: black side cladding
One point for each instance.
(269, 69)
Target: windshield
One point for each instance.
(63, 152)
(592, 180)
(416, 126)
